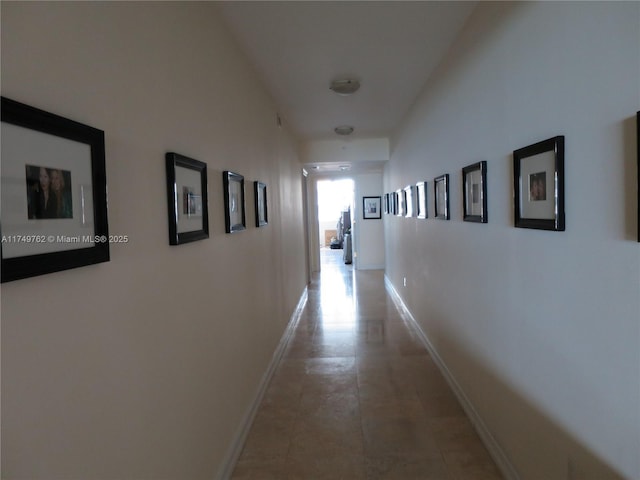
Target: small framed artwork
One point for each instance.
(233, 187)
(538, 183)
(474, 193)
(186, 199)
(421, 200)
(408, 201)
(53, 193)
(385, 203)
(441, 193)
(371, 208)
(400, 203)
(260, 195)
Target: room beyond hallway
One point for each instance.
(357, 396)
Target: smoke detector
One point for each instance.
(344, 130)
(345, 86)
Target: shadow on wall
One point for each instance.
(536, 445)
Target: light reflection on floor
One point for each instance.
(337, 292)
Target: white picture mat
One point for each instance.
(474, 183)
(21, 147)
(188, 177)
(541, 209)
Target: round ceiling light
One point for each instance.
(345, 86)
(344, 130)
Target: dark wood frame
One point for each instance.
(228, 178)
(31, 118)
(378, 215)
(555, 145)
(442, 179)
(482, 168)
(260, 190)
(421, 200)
(175, 160)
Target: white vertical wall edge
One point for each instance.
(238, 442)
(493, 447)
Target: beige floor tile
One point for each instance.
(357, 396)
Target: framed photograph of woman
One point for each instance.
(53, 193)
(538, 183)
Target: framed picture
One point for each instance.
(233, 187)
(385, 203)
(474, 193)
(186, 199)
(371, 208)
(53, 193)
(393, 203)
(260, 196)
(441, 192)
(538, 183)
(400, 203)
(408, 201)
(421, 200)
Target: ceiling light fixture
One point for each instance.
(344, 130)
(344, 168)
(345, 86)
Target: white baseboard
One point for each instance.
(238, 442)
(496, 452)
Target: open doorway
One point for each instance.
(335, 207)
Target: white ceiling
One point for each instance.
(299, 47)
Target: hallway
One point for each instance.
(357, 396)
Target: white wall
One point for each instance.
(368, 234)
(541, 329)
(144, 367)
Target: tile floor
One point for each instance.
(357, 396)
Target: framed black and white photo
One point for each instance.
(187, 200)
(408, 201)
(233, 187)
(54, 193)
(260, 195)
(538, 182)
(385, 203)
(371, 208)
(421, 200)
(441, 194)
(474, 193)
(400, 203)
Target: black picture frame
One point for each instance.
(260, 202)
(538, 184)
(441, 197)
(474, 193)
(638, 168)
(371, 208)
(234, 211)
(400, 203)
(47, 228)
(421, 200)
(408, 201)
(187, 199)
(385, 203)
